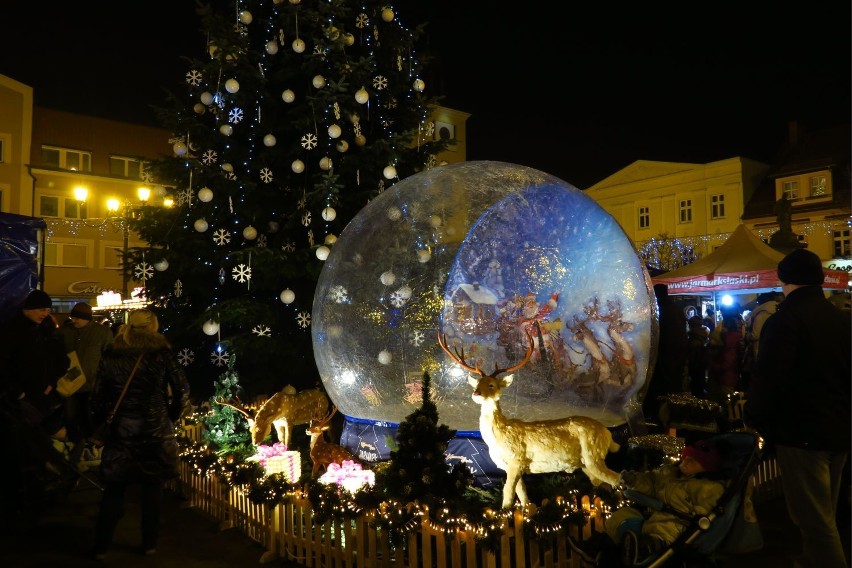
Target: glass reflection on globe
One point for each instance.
(489, 254)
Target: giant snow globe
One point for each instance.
(503, 261)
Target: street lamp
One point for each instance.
(113, 205)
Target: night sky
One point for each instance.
(578, 91)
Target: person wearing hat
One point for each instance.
(88, 340)
(799, 401)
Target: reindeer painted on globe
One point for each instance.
(322, 452)
(540, 446)
(283, 410)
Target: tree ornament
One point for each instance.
(423, 256)
(199, 108)
(287, 296)
(232, 86)
(246, 17)
(362, 96)
(288, 96)
(210, 327)
(394, 213)
(322, 252)
(226, 129)
(228, 167)
(387, 278)
(348, 39)
(342, 146)
(179, 149)
(272, 47)
(269, 140)
(200, 225)
(318, 81)
(298, 45)
(295, 2)
(389, 172)
(330, 239)
(360, 140)
(205, 194)
(419, 85)
(325, 163)
(435, 221)
(334, 131)
(328, 214)
(387, 14)
(298, 166)
(161, 265)
(250, 233)
(385, 357)
(206, 98)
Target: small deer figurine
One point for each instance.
(540, 446)
(283, 410)
(323, 452)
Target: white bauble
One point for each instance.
(385, 357)
(272, 47)
(206, 97)
(161, 265)
(288, 96)
(435, 221)
(227, 167)
(329, 214)
(179, 148)
(387, 15)
(287, 296)
(342, 146)
(419, 85)
(232, 86)
(246, 17)
(394, 213)
(325, 163)
(299, 45)
(199, 108)
(389, 172)
(269, 140)
(210, 327)
(387, 278)
(298, 166)
(322, 252)
(318, 81)
(334, 131)
(250, 233)
(205, 194)
(404, 292)
(226, 129)
(200, 225)
(423, 256)
(348, 39)
(360, 139)
(330, 239)
(362, 96)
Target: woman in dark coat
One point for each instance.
(141, 446)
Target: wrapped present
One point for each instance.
(289, 464)
(688, 412)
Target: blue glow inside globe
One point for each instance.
(494, 256)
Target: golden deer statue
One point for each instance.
(283, 410)
(323, 452)
(540, 446)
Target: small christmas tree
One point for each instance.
(225, 428)
(418, 470)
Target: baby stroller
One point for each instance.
(725, 530)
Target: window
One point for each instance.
(790, 190)
(112, 257)
(55, 206)
(2, 150)
(66, 254)
(66, 159)
(644, 217)
(817, 186)
(686, 211)
(717, 206)
(125, 167)
(842, 243)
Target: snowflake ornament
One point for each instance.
(146, 175)
(339, 295)
(336, 109)
(235, 116)
(266, 175)
(194, 77)
(143, 271)
(306, 219)
(220, 358)
(380, 82)
(262, 331)
(221, 237)
(185, 356)
(221, 276)
(178, 288)
(302, 202)
(241, 273)
(261, 241)
(397, 300)
(430, 128)
(209, 157)
(417, 338)
(289, 246)
(431, 162)
(309, 141)
(303, 319)
(399, 62)
(184, 197)
(362, 21)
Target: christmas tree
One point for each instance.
(295, 116)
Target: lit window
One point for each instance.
(790, 190)
(817, 184)
(66, 254)
(66, 159)
(125, 167)
(644, 217)
(686, 211)
(842, 244)
(717, 206)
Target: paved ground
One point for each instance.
(62, 534)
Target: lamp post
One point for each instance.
(113, 206)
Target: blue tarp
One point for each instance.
(20, 240)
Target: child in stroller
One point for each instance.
(686, 509)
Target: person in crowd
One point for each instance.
(765, 306)
(32, 360)
(88, 340)
(141, 447)
(688, 312)
(725, 354)
(799, 401)
(690, 486)
(696, 359)
(710, 318)
(669, 369)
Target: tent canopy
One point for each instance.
(742, 264)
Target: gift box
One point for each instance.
(289, 465)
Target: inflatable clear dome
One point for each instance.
(504, 262)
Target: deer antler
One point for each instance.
(238, 409)
(319, 420)
(457, 355)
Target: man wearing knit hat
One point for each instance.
(799, 401)
(87, 339)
